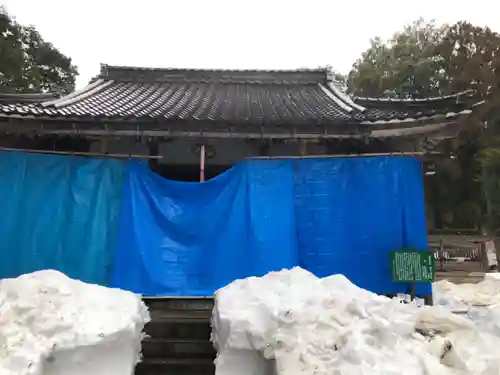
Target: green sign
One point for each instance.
(412, 265)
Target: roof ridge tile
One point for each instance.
(251, 76)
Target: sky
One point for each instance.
(256, 34)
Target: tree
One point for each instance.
(426, 60)
(473, 61)
(404, 67)
(30, 64)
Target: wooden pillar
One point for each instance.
(202, 162)
(302, 147)
(485, 264)
(153, 151)
(264, 147)
(104, 145)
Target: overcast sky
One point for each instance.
(266, 34)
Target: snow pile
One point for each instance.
(480, 302)
(292, 323)
(53, 325)
(484, 293)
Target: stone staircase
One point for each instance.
(179, 337)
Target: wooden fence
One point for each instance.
(460, 253)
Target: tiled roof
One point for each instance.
(244, 97)
(25, 98)
(387, 109)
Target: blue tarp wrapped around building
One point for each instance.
(59, 212)
(326, 215)
(188, 239)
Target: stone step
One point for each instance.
(168, 348)
(179, 337)
(179, 328)
(179, 303)
(178, 366)
(172, 314)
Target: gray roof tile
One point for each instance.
(252, 97)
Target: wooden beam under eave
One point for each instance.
(98, 129)
(444, 130)
(188, 134)
(213, 135)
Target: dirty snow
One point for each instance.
(292, 323)
(53, 325)
(479, 302)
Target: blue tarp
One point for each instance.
(59, 212)
(189, 239)
(326, 215)
(351, 212)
